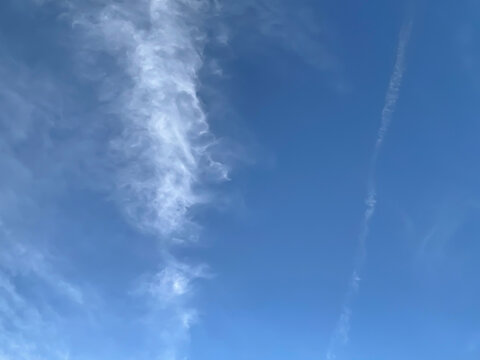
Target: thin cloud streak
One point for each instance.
(144, 58)
(340, 335)
(29, 325)
(164, 149)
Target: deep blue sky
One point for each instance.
(189, 181)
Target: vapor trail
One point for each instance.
(342, 329)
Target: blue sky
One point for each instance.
(269, 179)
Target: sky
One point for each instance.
(242, 180)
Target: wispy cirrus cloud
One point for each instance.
(295, 28)
(163, 153)
(28, 270)
(164, 146)
(340, 335)
(154, 158)
(169, 293)
(299, 28)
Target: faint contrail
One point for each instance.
(340, 334)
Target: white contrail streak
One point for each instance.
(342, 329)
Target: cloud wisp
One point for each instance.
(29, 271)
(141, 60)
(163, 152)
(164, 146)
(341, 332)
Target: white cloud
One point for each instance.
(170, 315)
(165, 143)
(173, 283)
(296, 28)
(145, 57)
(30, 104)
(163, 154)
